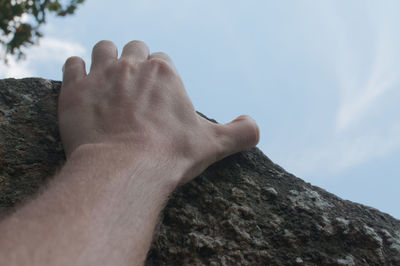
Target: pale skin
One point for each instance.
(131, 136)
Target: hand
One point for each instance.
(137, 104)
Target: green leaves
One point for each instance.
(20, 21)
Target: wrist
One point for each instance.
(129, 162)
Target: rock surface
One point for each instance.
(243, 210)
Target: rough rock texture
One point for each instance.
(244, 210)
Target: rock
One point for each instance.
(243, 210)
(349, 261)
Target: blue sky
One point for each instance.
(321, 78)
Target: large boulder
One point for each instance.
(243, 210)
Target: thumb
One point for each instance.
(240, 134)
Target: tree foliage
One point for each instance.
(20, 22)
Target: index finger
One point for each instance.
(73, 69)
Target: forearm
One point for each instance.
(101, 209)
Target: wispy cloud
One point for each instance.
(364, 127)
(359, 94)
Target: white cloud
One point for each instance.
(15, 69)
(55, 50)
(50, 51)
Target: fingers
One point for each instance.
(73, 69)
(104, 53)
(135, 51)
(240, 134)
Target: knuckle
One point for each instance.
(126, 66)
(162, 55)
(160, 65)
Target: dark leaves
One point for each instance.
(16, 33)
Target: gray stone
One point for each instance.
(243, 210)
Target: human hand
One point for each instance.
(137, 104)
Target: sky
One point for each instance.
(321, 78)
